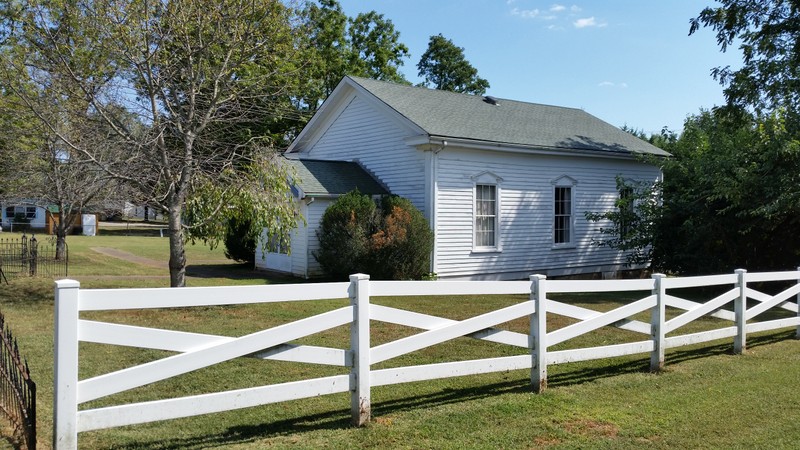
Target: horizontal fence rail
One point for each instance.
(740, 300)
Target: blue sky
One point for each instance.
(628, 62)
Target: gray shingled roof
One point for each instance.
(453, 115)
(323, 178)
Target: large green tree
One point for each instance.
(443, 66)
(723, 203)
(767, 190)
(192, 73)
(367, 45)
(767, 32)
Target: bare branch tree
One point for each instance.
(177, 86)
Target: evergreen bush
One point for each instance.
(240, 241)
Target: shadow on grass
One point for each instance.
(340, 419)
(27, 291)
(243, 271)
(331, 420)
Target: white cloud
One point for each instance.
(525, 13)
(611, 84)
(575, 8)
(588, 22)
(557, 8)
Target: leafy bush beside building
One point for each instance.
(393, 241)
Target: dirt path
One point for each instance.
(130, 257)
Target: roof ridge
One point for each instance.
(452, 93)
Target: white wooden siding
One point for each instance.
(314, 217)
(298, 245)
(304, 241)
(526, 217)
(363, 133)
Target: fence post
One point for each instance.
(23, 257)
(360, 399)
(657, 323)
(65, 401)
(34, 255)
(537, 341)
(739, 310)
(797, 335)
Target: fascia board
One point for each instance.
(337, 102)
(526, 149)
(341, 96)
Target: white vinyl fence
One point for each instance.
(196, 351)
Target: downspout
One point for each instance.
(433, 170)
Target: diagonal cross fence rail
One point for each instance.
(742, 303)
(17, 390)
(28, 257)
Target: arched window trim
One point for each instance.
(486, 209)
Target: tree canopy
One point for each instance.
(366, 46)
(172, 83)
(768, 32)
(443, 66)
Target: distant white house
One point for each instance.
(31, 215)
(504, 184)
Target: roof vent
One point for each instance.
(491, 100)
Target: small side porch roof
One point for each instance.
(318, 178)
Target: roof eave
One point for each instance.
(444, 141)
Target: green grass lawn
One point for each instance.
(706, 398)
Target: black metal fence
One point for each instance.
(17, 390)
(29, 257)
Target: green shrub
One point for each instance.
(393, 242)
(344, 235)
(401, 247)
(240, 241)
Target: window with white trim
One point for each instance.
(562, 226)
(486, 208)
(486, 224)
(563, 211)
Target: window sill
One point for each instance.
(564, 246)
(486, 250)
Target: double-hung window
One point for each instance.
(564, 211)
(485, 216)
(626, 211)
(563, 215)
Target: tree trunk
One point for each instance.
(61, 244)
(60, 229)
(177, 253)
